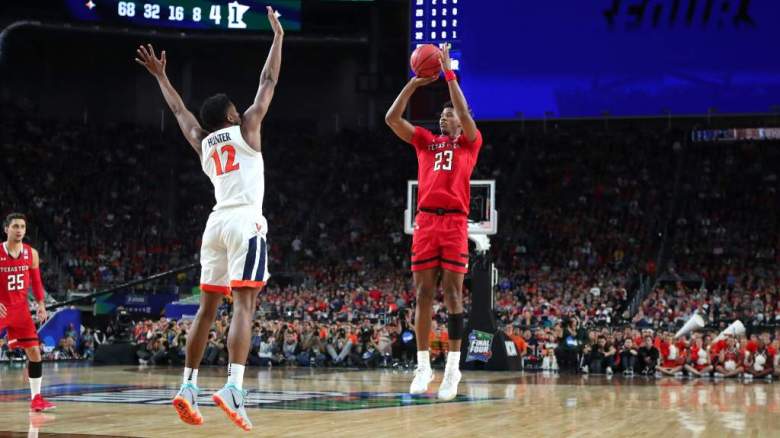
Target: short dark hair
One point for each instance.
(449, 104)
(213, 111)
(10, 218)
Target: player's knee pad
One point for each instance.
(35, 369)
(455, 326)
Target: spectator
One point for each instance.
(647, 358)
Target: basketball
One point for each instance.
(425, 61)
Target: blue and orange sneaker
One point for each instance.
(186, 404)
(231, 400)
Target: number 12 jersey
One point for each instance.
(235, 169)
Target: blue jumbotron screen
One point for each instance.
(576, 58)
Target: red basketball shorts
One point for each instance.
(21, 329)
(440, 241)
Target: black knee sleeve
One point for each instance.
(35, 369)
(455, 326)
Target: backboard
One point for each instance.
(483, 217)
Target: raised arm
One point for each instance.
(187, 122)
(402, 128)
(254, 115)
(457, 98)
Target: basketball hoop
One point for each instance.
(483, 217)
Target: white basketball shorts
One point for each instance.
(234, 251)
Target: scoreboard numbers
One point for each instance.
(176, 13)
(152, 11)
(215, 14)
(209, 15)
(126, 9)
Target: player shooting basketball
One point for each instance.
(440, 240)
(234, 254)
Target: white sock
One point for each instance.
(35, 386)
(423, 359)
(190, 376)
(236, 375)
(453, 360)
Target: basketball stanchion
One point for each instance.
(124, 286)
(484, 347)
(121, 352)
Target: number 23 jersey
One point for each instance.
(444, 167)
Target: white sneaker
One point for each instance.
(747, 376)
(609, 371)
(679, 374)
(422, 377)
(449, 385)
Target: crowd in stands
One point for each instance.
(390, 342)
(75, 344)
(584, 215)
(278, 342)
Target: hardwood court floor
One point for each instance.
(135, 401)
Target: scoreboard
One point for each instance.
(224, 15)
(436, 22)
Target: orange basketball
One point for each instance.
(425, 61)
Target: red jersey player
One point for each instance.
(18, 271)
(440, 241)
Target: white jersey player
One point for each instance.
(234, 251)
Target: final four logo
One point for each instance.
(479, 346)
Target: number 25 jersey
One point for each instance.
(15, 276)
(235, 169)
(444, 167)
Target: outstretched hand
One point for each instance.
(274, 20)
(153, 64)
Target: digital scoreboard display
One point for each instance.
(537, 59)
(222, 15)
(436, 22)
